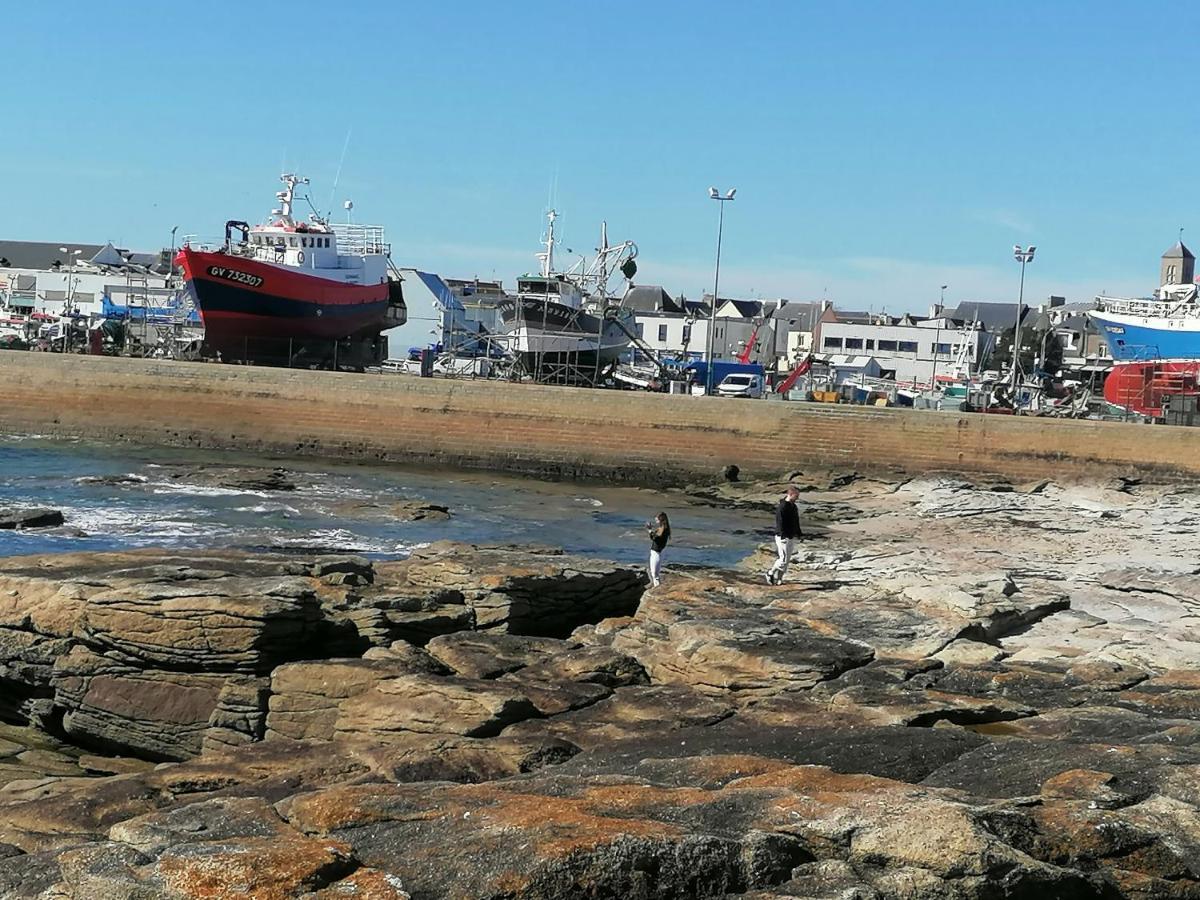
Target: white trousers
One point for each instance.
(655, 567)
(783, 546)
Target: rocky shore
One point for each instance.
(960, 691)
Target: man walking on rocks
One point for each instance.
(787, 529)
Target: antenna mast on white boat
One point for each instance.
(547, 256)
(287, 197)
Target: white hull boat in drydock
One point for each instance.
(554, 332)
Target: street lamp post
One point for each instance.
(938, 336)
(1023, 256)
(712, 312)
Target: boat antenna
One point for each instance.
(547, 256)
(338, 176)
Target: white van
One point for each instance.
(741, 386)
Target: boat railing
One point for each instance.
(360, 240)
(203, 243)
(1150, 308)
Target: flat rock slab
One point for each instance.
(30, 517)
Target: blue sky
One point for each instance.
(879, 149)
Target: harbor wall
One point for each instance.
(548, 431)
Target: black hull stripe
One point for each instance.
(215, 297)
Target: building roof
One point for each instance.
(747, 309)
(1076, 322)
(853, 316)
(44, 254)
(650, 298)
(695, 307)
(801, 316)
(842, 361)
(992, 316)
(1178, 252)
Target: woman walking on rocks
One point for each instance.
(659, 530)
(787, 529)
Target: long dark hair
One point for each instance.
(665, 523)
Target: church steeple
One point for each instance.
(1178, 265)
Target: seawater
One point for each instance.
(159, 511)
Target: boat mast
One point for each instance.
(547, 256)
(286, 197)
(603, 285)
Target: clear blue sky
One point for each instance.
(879, 149)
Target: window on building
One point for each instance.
(1170, 274)
(292, 241)
(941, 349)
(687, 333)
(641, 329)
(887, 346)
(833, 343)
(907, 346)
(870, 343)
(662, 333)
(854, 343)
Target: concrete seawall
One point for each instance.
(560, 432)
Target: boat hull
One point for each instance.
(245, 299)
(1132, 338)
(1143, 387)
(546, 335)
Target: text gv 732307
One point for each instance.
(234, 275)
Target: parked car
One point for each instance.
(740, 385)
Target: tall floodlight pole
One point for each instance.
(1023, 256)
(712, 312)
(938, 336)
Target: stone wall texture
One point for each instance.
(551, 431)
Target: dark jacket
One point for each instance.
(787, 519)
(659, 537)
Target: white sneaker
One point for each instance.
(770, 576)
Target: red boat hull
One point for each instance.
(242, 299)
(1142, 387)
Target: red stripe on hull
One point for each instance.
(277, 281)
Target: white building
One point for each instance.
(669, 327)
(79, 283)
(909, 350)
(679, 328)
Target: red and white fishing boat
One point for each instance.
(293, 280)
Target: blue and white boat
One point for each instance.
(1162, 328)
(1157, 329)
